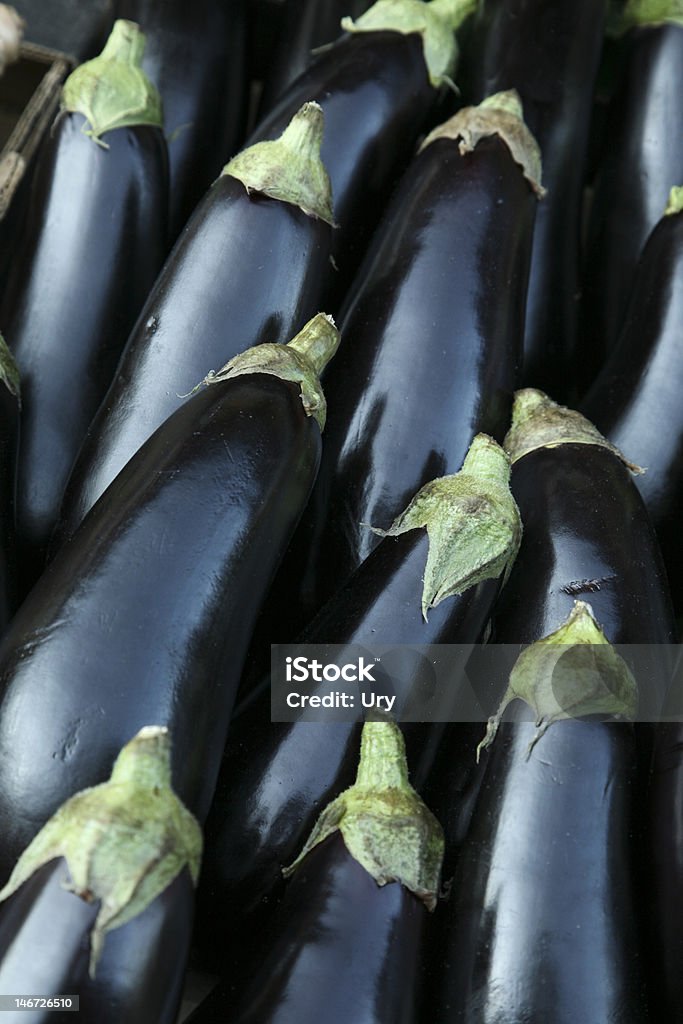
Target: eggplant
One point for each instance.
(376, 85)
(550, 54)
(347, 943)
(249, 268)
(306, 25)
(10, 407)
(642, 158)
(665, 861)
(542, 915)
(78, 922)
(145, 614)
(196, 57)
(276, 777)
(635, 401)
(586, 534)
(93, 244)
(432, 339)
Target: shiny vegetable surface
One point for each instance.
(92, 245)
(249, 268)
(182, 546)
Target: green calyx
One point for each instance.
(9, 371)
(290, 168)
(436, 21)
(570, 673)
(651, 12)
(385, 825)
(112, 91)
(501, 115)
(472, 522)
(675, 203)
(124, 841)
(301, 361)
(538, 422)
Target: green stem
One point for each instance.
(9, 371)
(317, 341)
(538, 422)
(508, 101)
(652, 12)
(290, 168)
(124, 841)
(675, 204)
(385, 825)
(472, 522)
(571, 673)
(112, 91)
(436, 22)
(301, 361)
(383, 763)
(500, 114)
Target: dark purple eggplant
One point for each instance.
(635, 400)
(249, 268)
(346, 946)
(145, 614)
(196, 56)
(10, 405)
(432, 339)
(549, 53)
(92, 246)
(542, 915)
(586, 534)
(642, 158)
(376, 87)
(79, 923)
(306, 26)
(277, 777)
(665, 861)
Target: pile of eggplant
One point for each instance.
(351, 324)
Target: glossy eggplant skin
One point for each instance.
(642, 160)
(550, 54)
(587, 535)
(665, 849)
(432, 335)
(375, 94)
(93, 243)
(194, 54)
(45, 949)
(635, 401)
(542, 918)
(144, 616)
(277, 777)
(342, 949)
(246, 270)
(307, 24)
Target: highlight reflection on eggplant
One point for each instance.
(195, 56)
(182, 546)
(276, 777)
(549, 53)
(642, 159)
(354, 914)
(249, 268)
(94, 241)
(77, 920)
(635, 401)
(376, 86)
(432, 339)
